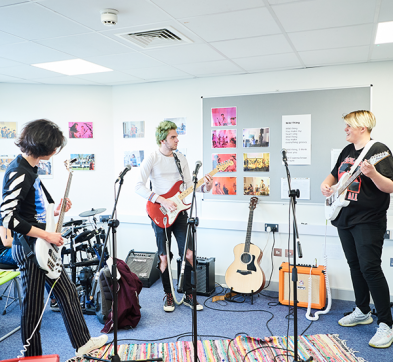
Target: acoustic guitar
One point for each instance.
(245, 275)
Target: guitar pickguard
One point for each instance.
(250, 266)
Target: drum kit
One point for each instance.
(85, 249)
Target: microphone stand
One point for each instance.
(192, 224)
(293, 194)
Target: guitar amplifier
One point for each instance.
(318, 285)
(48, 358)
(144, 265)
(206, 275)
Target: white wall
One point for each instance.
(222, 224)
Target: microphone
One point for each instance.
(284, 155)
(128, 168)
(198, 165)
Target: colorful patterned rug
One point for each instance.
(322, 347)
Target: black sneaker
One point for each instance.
(54, 306)
(169, 305)
(189, 302)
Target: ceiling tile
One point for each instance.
(85, 45)
(187, 8)
(335, 56)
(22, 21)
(189, 53)
(163, 72)
(6, 38)
(234, 25)
(269, 62)
(250, 47)
(332, 38)
(11, 2)
(8, 63)
(65, 80)
(386, 11)
(27, 72)
(108, 77)
(320, 14)
(210, 68)
(382, 51)
(8, 79)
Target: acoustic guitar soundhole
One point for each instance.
(245, 258)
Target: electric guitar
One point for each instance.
(245, 275)
(336, 201)
(49, 255)
(160, 216)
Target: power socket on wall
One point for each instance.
(288, 252)
(277, 252)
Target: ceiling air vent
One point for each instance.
(155, 38)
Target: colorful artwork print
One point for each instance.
(80, 129)
(8, 129)
(5, 160)
(258, 186)
(256, 162)
(180, 123)
(256, 137)
(224, 186)
(84, 162)
(218, 158)
(45, 168)
(222, 117)
(224, 138)
(134, 129)
(133, 158)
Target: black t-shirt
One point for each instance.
(367, 203)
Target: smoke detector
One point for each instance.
(109, 17)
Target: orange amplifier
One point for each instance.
(49, 358)
(318, 285)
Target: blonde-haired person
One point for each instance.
(362, 225)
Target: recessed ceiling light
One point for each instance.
(73, 67)
(384, 33)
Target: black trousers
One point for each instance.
(362, 245)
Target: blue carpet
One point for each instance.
(264, 318)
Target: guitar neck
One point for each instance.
(63, 205)
(185, 193)
(248, 235)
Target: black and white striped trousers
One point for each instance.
(33, 282)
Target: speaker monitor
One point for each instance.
(318, 286)
(144, 265)
(206, 274)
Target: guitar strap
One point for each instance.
(178, 164)
(361, 156)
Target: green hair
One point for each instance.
(163, 129)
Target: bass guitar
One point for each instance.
(336, 201)
(245, 275)
(160, 216)
(49, 255)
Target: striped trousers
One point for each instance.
(33, 282)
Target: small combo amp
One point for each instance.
(144, 265)
(48, 358)
(206, 275)
(318, 285)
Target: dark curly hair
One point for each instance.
(41, 138)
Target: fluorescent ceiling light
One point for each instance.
(384, 33)
(73, 67)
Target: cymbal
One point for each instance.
(73, 222)
(92, 212)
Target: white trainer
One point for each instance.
(383, 338)
(92, 344)
(355, 318)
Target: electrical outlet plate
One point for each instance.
(288, 252)
(277, 252)
(273, 227)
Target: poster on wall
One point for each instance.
(222, 117)
(5, 160)
(256, 137)
(134, 129)
(45, 168)
(258, 186)
(218, 158)
(8, 129)
(180, 123)
(80, 129)
(256, 162)
(224, 138)
(224, 186)
(133, 158)
(84, 162)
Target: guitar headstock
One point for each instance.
(253, 203)
(67, 164)
(378, 157)
(224, 165)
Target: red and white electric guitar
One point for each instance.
(336, 201)
(161, 216)
(49, 255)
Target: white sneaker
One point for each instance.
(92, 344)
(383, 338)
(355, 318)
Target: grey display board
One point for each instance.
(326, 108)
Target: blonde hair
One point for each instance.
(361, 119)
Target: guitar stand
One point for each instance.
(232, 294)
